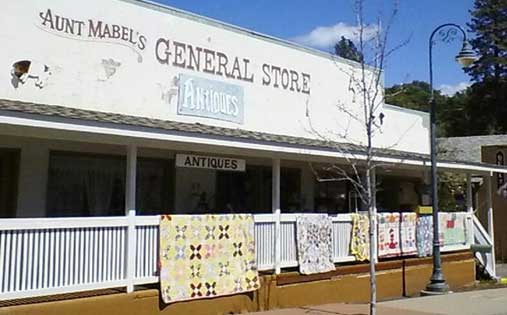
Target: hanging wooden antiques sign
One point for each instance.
(210, 162)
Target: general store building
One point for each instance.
(113, 113)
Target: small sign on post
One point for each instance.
(210, 162)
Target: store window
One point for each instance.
(251, 191)
(290, 190)
(155, 186)
(397, 193)
(335, 197)
(94, 185)
(9, 171)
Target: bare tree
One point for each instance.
(366, 86)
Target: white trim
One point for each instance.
(266, 267)
(62, 290)
(61, 223)
(344, 259)
(454, 248)
(289, 264)
(148, 220)
(406, 110)
(146, 280)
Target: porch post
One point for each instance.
(130, 212)
(470, 210)
(373, 175)
(491, 229)
(277, 213)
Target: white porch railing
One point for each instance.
(47, 256)
(482, 237)
(265, 240)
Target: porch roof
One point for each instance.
(74, 116)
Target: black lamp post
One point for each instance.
(447, 33)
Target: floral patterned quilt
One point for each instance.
(205, 256)
(408, 233)
(425, 235)
(314, 244)
(389, 235)
(360, 244)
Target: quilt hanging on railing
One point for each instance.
(205, 256)
(424, 235)
(453, 227)
(408, 233)
(314, 243)
(389, 235)
(359, 244)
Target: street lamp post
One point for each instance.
(447, 33)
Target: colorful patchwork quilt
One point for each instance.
(453, 227)
(205, 256)
(314, 244)
(408, 233)
(389, 235)
(360, 243)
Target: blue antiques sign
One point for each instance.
(211, 99)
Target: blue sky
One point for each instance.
(296, 19)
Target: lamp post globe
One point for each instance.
(466, 56)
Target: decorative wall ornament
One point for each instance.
(24, 70)
(110, 67)
(501, 185)
(169, 91)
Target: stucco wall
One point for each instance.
(82, 65)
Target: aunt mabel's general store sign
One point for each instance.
(210, 162)
(176, 53)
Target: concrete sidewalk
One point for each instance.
(481, 302)
(342, 309)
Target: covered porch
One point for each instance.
(64, 235)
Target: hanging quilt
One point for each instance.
(453, 227)
(425, 235)
(205, 256)
(389, 235)
(314, 244)
(359, 244)
(408, 233)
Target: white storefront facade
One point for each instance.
(115, 112)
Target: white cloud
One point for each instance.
(327, 36)
(450, 90)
